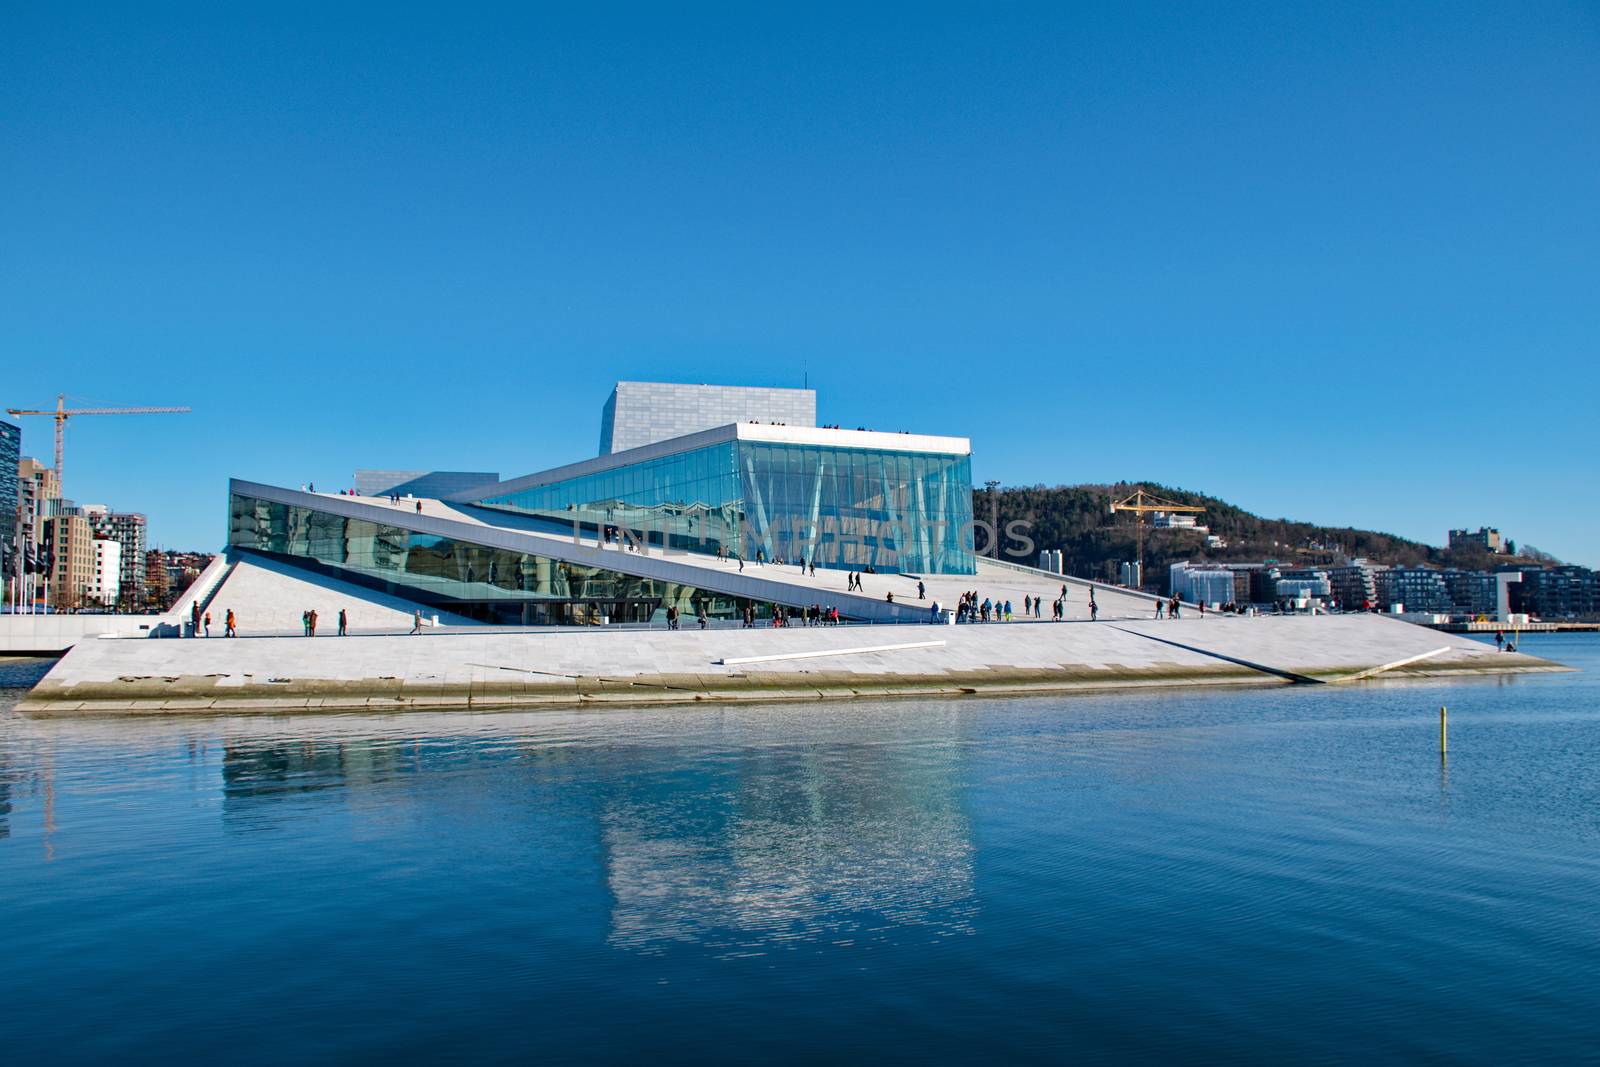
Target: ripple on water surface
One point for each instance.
(1245, 874)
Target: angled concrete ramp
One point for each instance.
(268, 597)
(495, 668)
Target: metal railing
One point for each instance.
(1039, 573)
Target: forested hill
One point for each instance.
(1077, 519)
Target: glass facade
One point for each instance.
(478, 581)
(841, 508)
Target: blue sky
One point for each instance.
(1337, 262)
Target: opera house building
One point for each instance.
(710, 499)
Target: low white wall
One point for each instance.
(57, 633)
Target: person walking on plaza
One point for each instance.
(1094, 609)
(702, 617)
(933, 616)
(343, 621)
(194, 619)
(416, 621)
(1027, 605)
(208, 624)
(227, 625)
(922, 591)
(305, 624)
(1159, 605)
(311, 622)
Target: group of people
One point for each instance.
(308, 622)
(396, 499)
(674, 617)
(1058, 608)
(200, 622)
(723, 555)
(780, 616)
(970, 609)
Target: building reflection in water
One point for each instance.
(791, 845)
(257, 776)
(735, 846)
(5, 797)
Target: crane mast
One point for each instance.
(1142, 503)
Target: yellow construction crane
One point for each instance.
(62, 413)
(1141, 504)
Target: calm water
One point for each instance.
(1231, 876)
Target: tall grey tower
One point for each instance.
(640, 413)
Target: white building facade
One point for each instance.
(105, 586)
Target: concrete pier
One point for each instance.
(490, 668)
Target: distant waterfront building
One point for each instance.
(130, 530)
(69, 544)
(105, 586)
(1419, 590)
(1354, 585)
(1472, 593)
(643, 413)
(1264, 583)
(10, 494)
(1201, 583)
(1242, 573)
(1561, 593)
(433, 484)
(1176, 520)
(156, 584)
(1304, 585)
(1484, 537)
(36, 486)
(127, 529)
